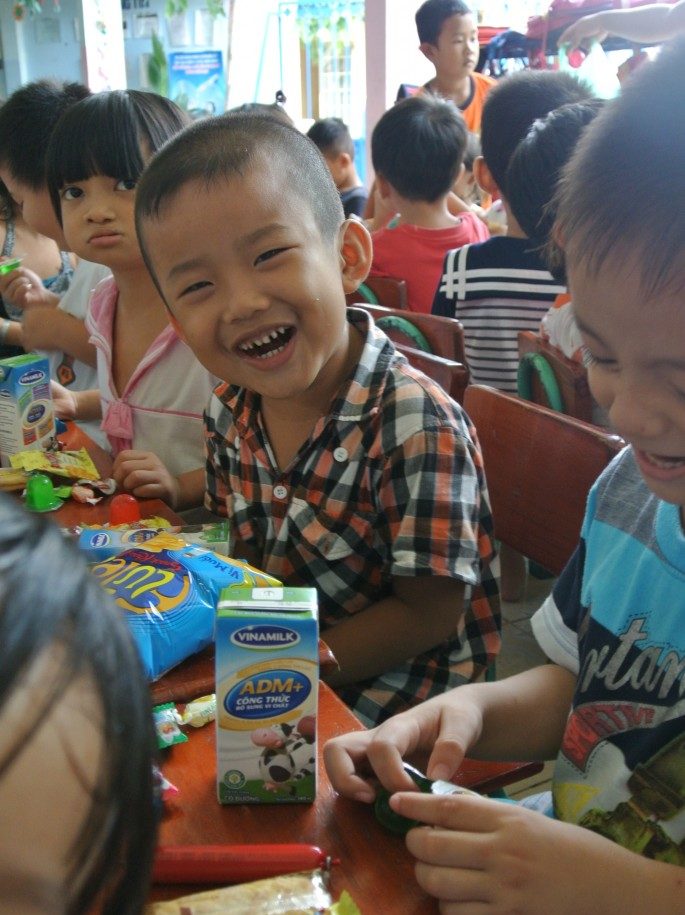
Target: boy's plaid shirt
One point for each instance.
(389, 483)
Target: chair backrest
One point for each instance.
(452, 376)
(569, 377)
(431, 333)
(540, 466)
(389, 291)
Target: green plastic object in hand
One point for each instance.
(400, 825)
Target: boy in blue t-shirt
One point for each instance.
(611, 703)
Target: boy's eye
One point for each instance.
(126, 184)
(267, 255)
(71, 193)
(194, 287)
(589, 358)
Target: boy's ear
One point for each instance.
(356, 253)
(383, 185)
(345, 160)
(484, 178)
(428, 50)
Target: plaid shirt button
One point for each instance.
(340, 455)
(280, 492)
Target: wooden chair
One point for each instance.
(539, 466)
(431, 333)
(389, 291)
(452, 376)
(549, 378)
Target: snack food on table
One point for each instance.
(199, 711)
(292, 893)
(167, 720)
(168, 591)
(76, 465)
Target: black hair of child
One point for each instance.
(431, 15)
(535, 167)
(27, 119)
(418, 146)
(331, 136)
(110, 133)
(219, 149)
(48, 599)
(622, 198)
(513, 105)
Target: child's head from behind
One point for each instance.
(448, 36)
(332, 138)
(466, 186)
(109, 136)
(510, 109)
(243, 230)
(27, 120)
(76, 737)
(622, 227)
(418, 147)
(535, 167)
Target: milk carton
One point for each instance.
(267, 670)
(27, 419)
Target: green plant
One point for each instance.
(214, 7)
(158, 68)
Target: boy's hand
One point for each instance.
(143, 474)
(487, 856)
(446, 725)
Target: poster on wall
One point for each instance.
(197, 81)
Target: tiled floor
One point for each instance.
(519, 652)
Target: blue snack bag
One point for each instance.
(169, 591)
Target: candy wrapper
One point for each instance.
(76, 465)
(168, 591)
(200, 711)
(302, 893)
(167, 720)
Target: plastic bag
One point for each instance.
(596, 69)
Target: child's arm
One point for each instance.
(487, 720)
(420, 614)
(22, 287)
(144, 474)
(487, 856)
(78, 405)
(53, 329)
(653, 23)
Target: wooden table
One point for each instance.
(374, 867)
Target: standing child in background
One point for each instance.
(609, 704)
(338, 465)
(77, 742)
(417, 149)
(49, 323)
(448, 33)
(332, 137)
(152, 391)
(503, 286)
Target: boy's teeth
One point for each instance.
(264, 341)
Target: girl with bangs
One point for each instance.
(152, 391)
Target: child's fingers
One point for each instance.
(342, 759)
(458, 888)
(460, 812)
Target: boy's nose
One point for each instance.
(244, 301)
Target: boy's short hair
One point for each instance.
(431, 15)
(622, 191)
(513, 105)
(103, 135)
(226, 146)
(27, 120)
(418, 146)
(537, 162)
(331, 136)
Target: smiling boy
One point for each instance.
(609, 705)
(338, 465)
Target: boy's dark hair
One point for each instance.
(620, 198)
(7, 204)
(431, 15)
(418, 146)
(331, 136)
(220, 148)
(111, 133)
(536, 165)
(65, 608)
(513, 105)
(275, 110)
(27, 120)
